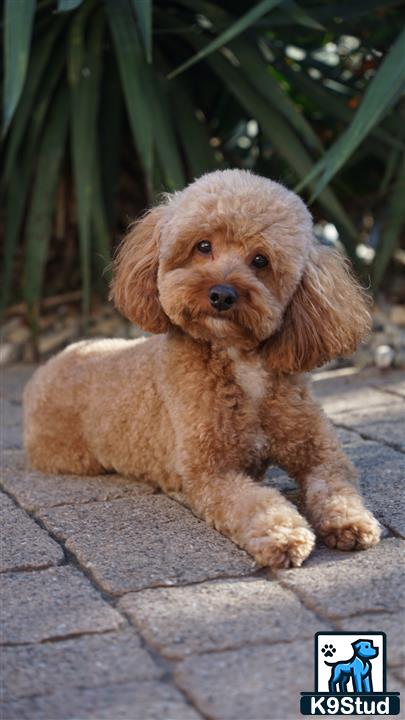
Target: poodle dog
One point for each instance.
(242, 300)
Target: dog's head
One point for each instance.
(232, 259)
(365, 649)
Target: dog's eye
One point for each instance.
(204, 247)
(260, 261)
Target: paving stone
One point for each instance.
(11, 423)
(137, 543)
(34, 490)
(218, 615)
(47, 604)
(334, 383)
(23, 545)
(277, 478)
(353, 583)
(385, 425)
(391, 381)
(255, 683)
(352, 402)
(348, 437)
(129, 541)
(397, 678)
(11, 387)
(340, 400)
(13, 381)
(360, 402)
(397, 387)
(151, 700)
(392, 624)
(87, 661)
(381, 474)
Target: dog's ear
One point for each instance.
(134, 286)
(326, 318)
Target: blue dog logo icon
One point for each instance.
(358, 669)
(357, 686)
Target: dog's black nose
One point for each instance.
(222, 297)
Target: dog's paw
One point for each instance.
(280, 546)
(357, 530)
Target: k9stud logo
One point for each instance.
(350, 676)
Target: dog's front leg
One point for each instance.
(258, 519)
(335, 507)
(313, 456)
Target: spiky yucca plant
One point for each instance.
(100, 95)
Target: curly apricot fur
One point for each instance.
(202, 409)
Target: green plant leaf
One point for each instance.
(143, 11)
(39, 61)
(131, 64)
(381, 93)
(300, 16)
(42, 206)
(192, 132)
(163, 132)
(255, 69)
(76, 43)
(84, 78)
(335, 107)
(67, 5)
(349, 13)
(111, 130)
(18, 20)
(21, 171)
(101, 231)
(395, 220)
(145, 95)
(225, 37)
(16, 198)
(283, 138)
(391, 165)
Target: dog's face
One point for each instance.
(223, 287)
(365, 649)
(231, 259)
(231, 256)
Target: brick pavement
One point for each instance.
(118, 603)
